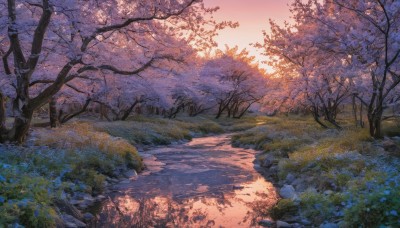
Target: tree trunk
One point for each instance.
(68, 117)
(375, 124)
(244, 111)
(220, 110)
(53, 112)
(354, 104)
(361, 115)
(21, 126)
(129, 110)
(314, 112)
(3, 116)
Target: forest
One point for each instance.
(129, 113)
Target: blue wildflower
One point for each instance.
(2, 179)
(394, 213)
(6, 166)
(23, 203)
(2, 199)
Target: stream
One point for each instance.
(203, 183)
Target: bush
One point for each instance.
(285, 207)
(375, 203)
(72, 158)
(318, 207)
(98, 149)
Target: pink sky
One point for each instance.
(253, 16)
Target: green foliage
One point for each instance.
(391, 127)
(285, 207)
(319, 207)
(375, 209)
(72, 158)
(26, 200)
(159, 131)
(374, 201)
(343, 169)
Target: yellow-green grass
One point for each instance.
(159, 131)
(345, 162)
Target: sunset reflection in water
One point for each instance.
(205, 183)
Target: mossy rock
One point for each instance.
(285, 207)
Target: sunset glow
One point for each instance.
(253, 17)
(200, 113)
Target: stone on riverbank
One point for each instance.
(288, 192)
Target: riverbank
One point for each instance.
(60, 172)
(326, 177)
(202, 183)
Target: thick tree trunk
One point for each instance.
(21, 126)
(375, 124)
(53, 113)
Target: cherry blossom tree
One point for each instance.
(314, 79)
(68, 39)
(233, 81)
(353, 43)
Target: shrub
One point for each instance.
(285, 207)
(374, 203)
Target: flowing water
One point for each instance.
(203, 183)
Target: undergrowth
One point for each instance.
(73, 158)
(340, 176)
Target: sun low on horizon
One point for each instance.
(253, 17)
(199, 113)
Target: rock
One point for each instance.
(282, 224)
(391, 146)
(71, 221)
(290, 178)
(267, 163)
(288, 192)
(75, 202)
(100, 198)
(237, 187)
(292, 220)
(329, 225)
(83, 205)
(130, 174)
(88, 198)
(68, 208)
(113, 180)
(127, 181)
(305, 222)
(88, 217)
(266, 223)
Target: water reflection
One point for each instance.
(205, 183)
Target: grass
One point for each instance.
(159, 131)
(338, 174)
(73, 158)
(79, 156)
